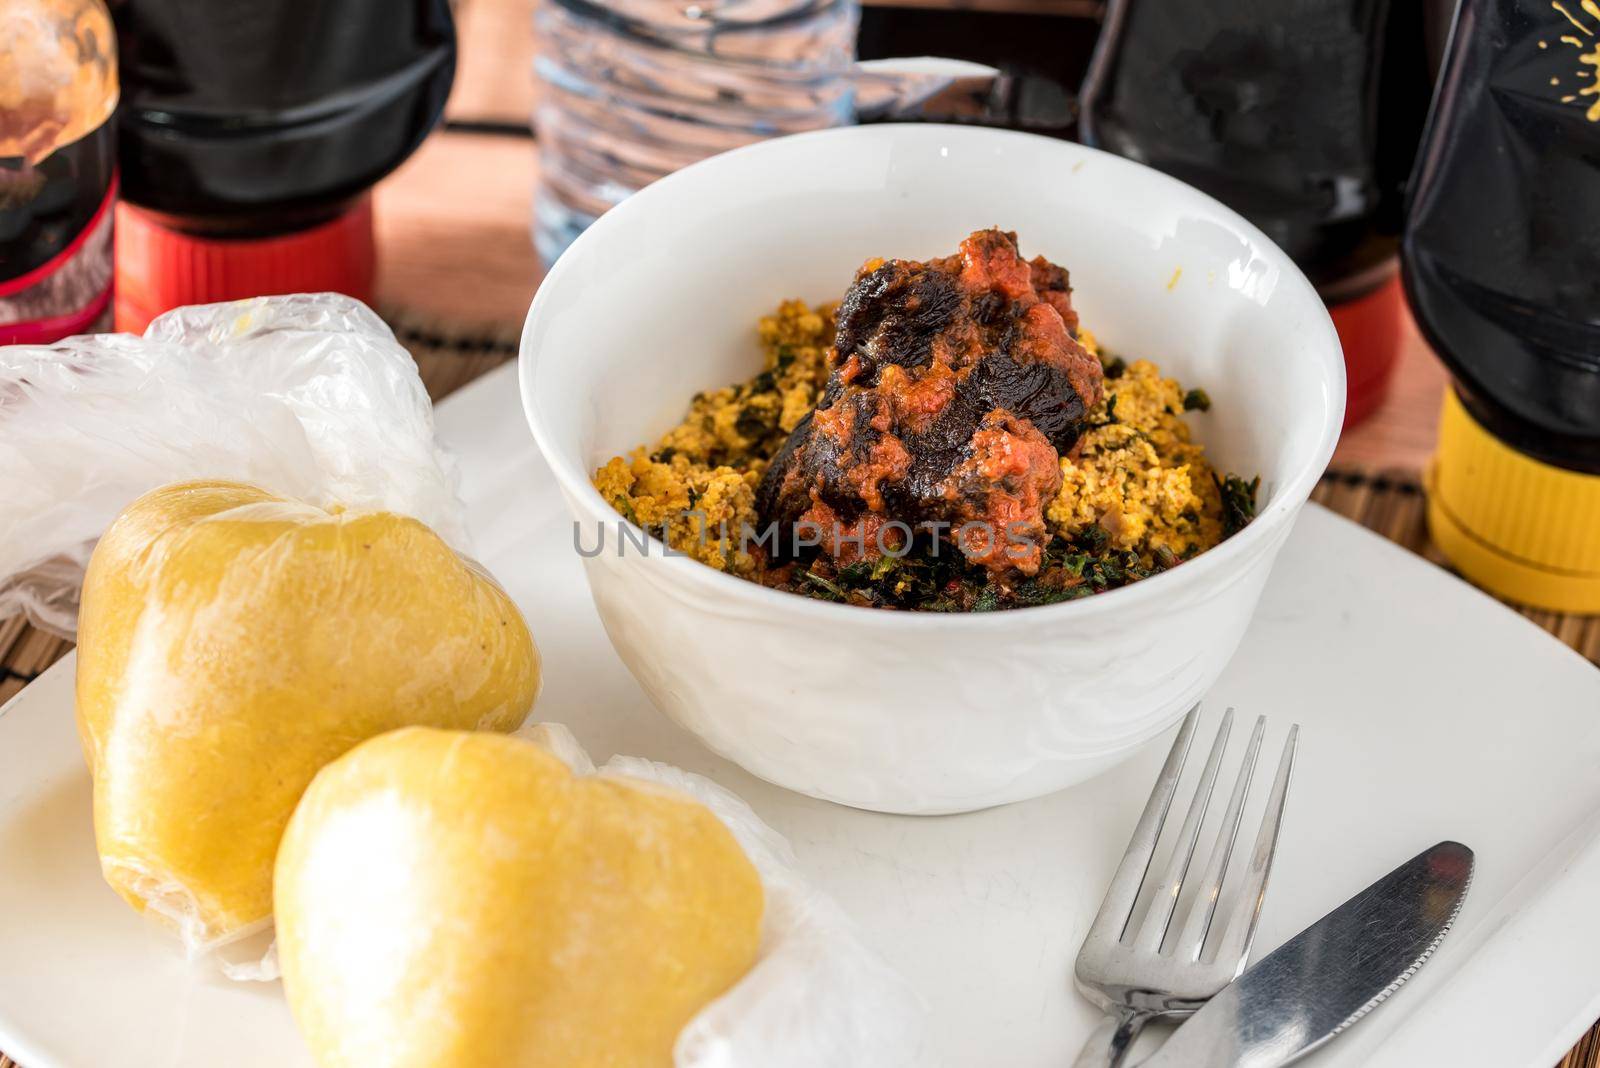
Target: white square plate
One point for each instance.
(1427, 710)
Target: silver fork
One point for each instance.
(1137, 978)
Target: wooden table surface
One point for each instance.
(453, 232)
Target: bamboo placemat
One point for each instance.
(1389, 502)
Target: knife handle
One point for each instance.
(1111, 1039)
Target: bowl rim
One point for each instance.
(1215, 564)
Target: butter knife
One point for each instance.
(1331, 974)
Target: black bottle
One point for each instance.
(251, 131)
(1302, 115)
(1502, 268)
(58, 173)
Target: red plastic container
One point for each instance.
(1371, 329)
(159, 267)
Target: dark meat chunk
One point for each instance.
(892, 315)
(955, 387)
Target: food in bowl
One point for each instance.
(946, 438)
(922, 712)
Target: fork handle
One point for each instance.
(1111, 1039)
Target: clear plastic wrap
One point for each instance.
(817, 994)
(309, 396)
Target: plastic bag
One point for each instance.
(232, 643)
(308, 396)
(817, 995)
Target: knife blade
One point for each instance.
(1331, 974)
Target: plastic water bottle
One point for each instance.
(635, 89)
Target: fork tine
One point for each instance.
(1235, 944)
(1193, 937)
(1115, 911)
(1157, 919)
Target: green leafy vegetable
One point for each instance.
(830, 591)
(756, 421)
(1238, 502)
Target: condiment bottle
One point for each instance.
(1302, 115)
(1502, 267)
(251, 134)
(58, 94)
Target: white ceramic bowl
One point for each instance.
(909, 712)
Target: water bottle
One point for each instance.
(58, 93)
(635, 89)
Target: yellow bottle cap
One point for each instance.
(1519, 528)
